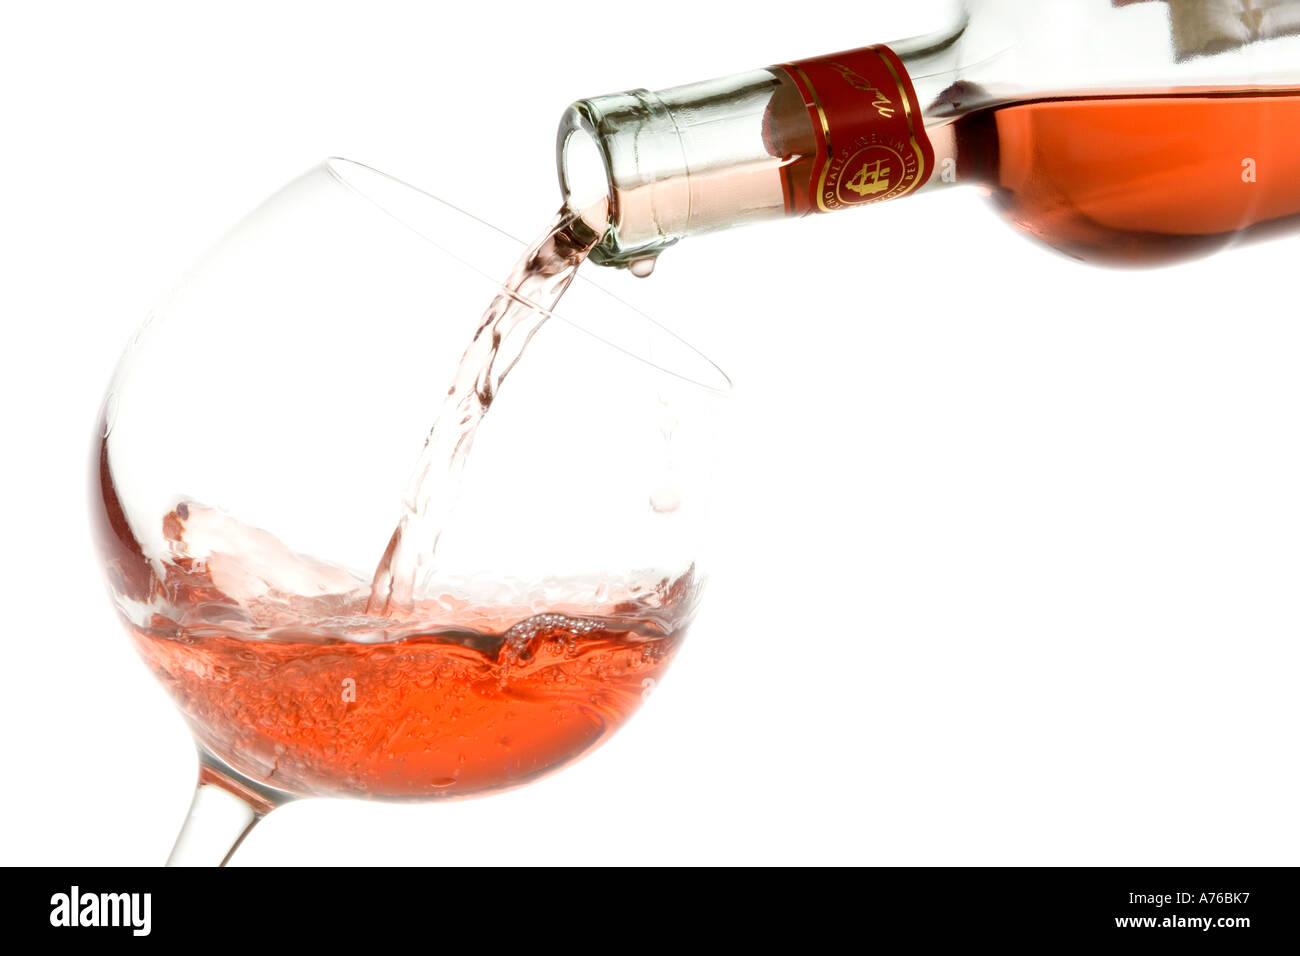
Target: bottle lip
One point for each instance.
(579, 127)
(583, 155)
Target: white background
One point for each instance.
(1010, 549)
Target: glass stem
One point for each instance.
(226, 807)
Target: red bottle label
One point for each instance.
(871, 142)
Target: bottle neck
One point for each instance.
(805, 137)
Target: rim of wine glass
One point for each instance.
(696, 368)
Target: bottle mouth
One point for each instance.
(491, 252)
(585, 176)
(625, 148)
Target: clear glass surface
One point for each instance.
(254, 450)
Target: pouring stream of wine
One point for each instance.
(527, 298)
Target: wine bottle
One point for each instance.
(1127, 132)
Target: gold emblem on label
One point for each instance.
(871, 173)
(871, 179)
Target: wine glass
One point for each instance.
(255, 452)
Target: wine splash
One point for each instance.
(280, 672)
(539, 279)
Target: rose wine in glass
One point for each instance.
(314, 696)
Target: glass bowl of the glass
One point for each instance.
(346, 599)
